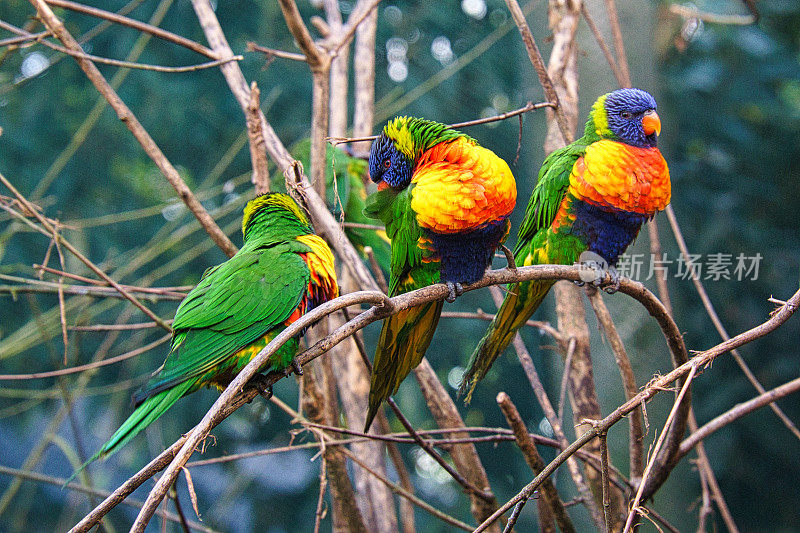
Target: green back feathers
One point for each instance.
(276, 215)
(414, 136)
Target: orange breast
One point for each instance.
(460, 186)
(621, 176)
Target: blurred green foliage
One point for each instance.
(730, 105)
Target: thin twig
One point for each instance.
(530, 106)
(602, 43)
(87, 366)
(710, 480)
(634, 506)
(636, 433)
(562, 395)
(323, 484)
(180, 291)
(131, 64)
(512, 520)
(60, 482)
(397, 489)
(691, 12)
(603, 437)
(619, 45)
(137, 25)
(538, 64)
(272, 52)
(129, 119)
(547, 491)
(738, 411)
(51, 230)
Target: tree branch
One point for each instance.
(129, 119)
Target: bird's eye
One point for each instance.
(626, 114)
(387, 163)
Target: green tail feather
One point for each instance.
(404, 339)
(144, 415)
(518, 306)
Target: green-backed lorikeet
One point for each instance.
(281, 272)
(592, 196)
(445, 202)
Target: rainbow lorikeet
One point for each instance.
(592, 196)
(445, 202)
(281, 272)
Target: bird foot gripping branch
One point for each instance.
(260, 382)
(456, 290)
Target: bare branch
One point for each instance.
(94, 268)
(271, 52)
(137, 25)
(619, 46)
(657, 385)
(255, 136)
(738, 411)
(636, 434)
(60, 482)
(535, 461)
(538, 64)
(129, 119)
(87, 366)
(634, 507)
(530, 106)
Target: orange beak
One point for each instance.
(651, 123)
(382, 185)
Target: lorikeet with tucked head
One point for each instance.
(282, 271)
(445, 202)
(592, 195)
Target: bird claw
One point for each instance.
(615, 283)
(456, 290)
(512, 265)
(259, 382)
(297, 367)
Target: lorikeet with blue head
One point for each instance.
(282, 271)
(592, 195)
(445, 202)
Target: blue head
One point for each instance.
(627, 115)
(388, 165)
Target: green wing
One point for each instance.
(233, 305)
(548, 194)
(405, 336)
(522, 299)
(410, 266)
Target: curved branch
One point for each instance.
(700, 360)
(388, 306)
